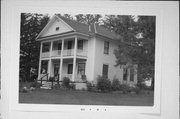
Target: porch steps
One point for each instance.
(47, 85)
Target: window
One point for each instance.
(70, 68)
(80, 44)
(59, 46)
(69, 44)
(46, 47)
(106, 47)
(125, 74)
(132, 74)
(44, 66)
(105, 71)
(81, 68)
(57, 28)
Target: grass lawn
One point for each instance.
(43, 96)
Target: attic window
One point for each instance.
(57, 28)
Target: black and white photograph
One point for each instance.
(87, 59)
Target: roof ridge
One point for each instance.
(71, 19)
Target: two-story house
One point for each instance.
(72, 49)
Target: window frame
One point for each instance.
(106, 47)
(80, 46)
(131, 74)
(68, 69)
(82, 69)
(125, 74)
(46, 47)
(104, 71)
(57, 28)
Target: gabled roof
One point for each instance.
(93, 29)
(90, 29)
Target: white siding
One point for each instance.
(101, 58)
(91, 59)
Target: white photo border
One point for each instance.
(84, 8)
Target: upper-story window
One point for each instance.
(69, 45)
(106, 47)
(57, 28)
(45, 47)
(80, 44)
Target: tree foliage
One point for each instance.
(137, 44)
(31, 26)
(88, 18)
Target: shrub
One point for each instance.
(89, 86)
(137, 90)
(83, 77)
(66, 82)
(115, 84)
(103, 84)
(72, 86)
(25, 90)
(51, 79)
(36, 85)
(125, 88)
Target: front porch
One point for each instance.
(60, 68)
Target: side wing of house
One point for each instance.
(105, 61)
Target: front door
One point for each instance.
(56, 71)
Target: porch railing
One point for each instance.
(56, 53)
(81, 53)
(41, 79)
(66, 52)
(45, 54)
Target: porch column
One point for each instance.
(74, 59)
(61, 60)
(49, 63)
(39, 70)
(49, 68)
(50, 51)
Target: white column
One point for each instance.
(62, 47)
(74, 59)
(50, 51)
(39, 70)
(49, 68)
(49, 63)
(61, 59)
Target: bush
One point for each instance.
(137, 90)
(51, 79)
(103, 84)
(66, 82)
(89, 86)
(125, 88)
(72, 86)
(115, 84)
(36, 85)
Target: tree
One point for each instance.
(137, 44)
(88, 18)
(31, 25)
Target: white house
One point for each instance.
(76, 50)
